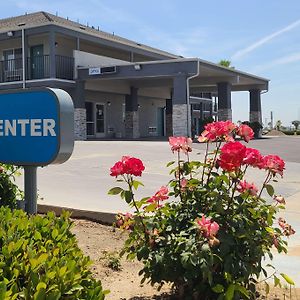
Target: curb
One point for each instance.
(95, 216)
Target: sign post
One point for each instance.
(36, 129)
(30, 186)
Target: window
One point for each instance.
(12, 59)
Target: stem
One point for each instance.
(179, 175)
(129, 182)
(265, 182)
(188, 160)
(214, 160)
(205, 159)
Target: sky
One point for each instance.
(259, 37)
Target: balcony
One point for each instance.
(37, 67)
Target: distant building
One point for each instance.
(120, 88)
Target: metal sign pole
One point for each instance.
(30, 189)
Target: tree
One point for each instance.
(225, 63)
(278, 125)
(296, 123)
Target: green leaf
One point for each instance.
(42, 258)
(267, 288)
(128, 196)
(2, 289)
(242, 290)
(40, 294)
(62, 271)
(41, 285)
(219, 288)
(136, 184)
(230, 292)
(287, 279)
(277, 281)
(270, 189)
(115, 191)
(170, 163)
(54, 233)
(150, 208)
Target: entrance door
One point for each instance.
(160, 121)
(37, 62)
(90, 120)
(100, 119)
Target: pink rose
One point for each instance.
(160, 195)
(245, 132)
(273, 163)
(252, 157)
(208, 228)
(217, 131)
(279, 199)
(180, 143)
(244, 186)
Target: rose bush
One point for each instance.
(208, 231)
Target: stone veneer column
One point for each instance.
(180, 122)
(224, 101)
(80, 124)
(79, 111)
(255, 106)
(169, 119)
(132, 127)
(180, 106)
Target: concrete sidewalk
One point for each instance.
(83, 181)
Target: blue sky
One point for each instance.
(260, 37)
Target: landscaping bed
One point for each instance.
(102, 243)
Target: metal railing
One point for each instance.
(37, 67)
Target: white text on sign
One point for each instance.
(27, 127)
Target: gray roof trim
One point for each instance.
(232, 71)
(39, 19)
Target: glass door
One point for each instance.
(90, 122)
(100, 119)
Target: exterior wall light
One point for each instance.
(108, 103)
(137, 67)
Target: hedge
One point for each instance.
(40, 259)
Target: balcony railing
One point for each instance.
(37, 67)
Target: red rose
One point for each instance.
(127, 165)
(117, 169)
(134, 166)
(232, 155)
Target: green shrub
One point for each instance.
(9, 191)
(40, 259)
(209, 240)
(288, 132)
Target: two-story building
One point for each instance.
(120, 88)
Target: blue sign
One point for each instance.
(36, 127)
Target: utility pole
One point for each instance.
(272, 120)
